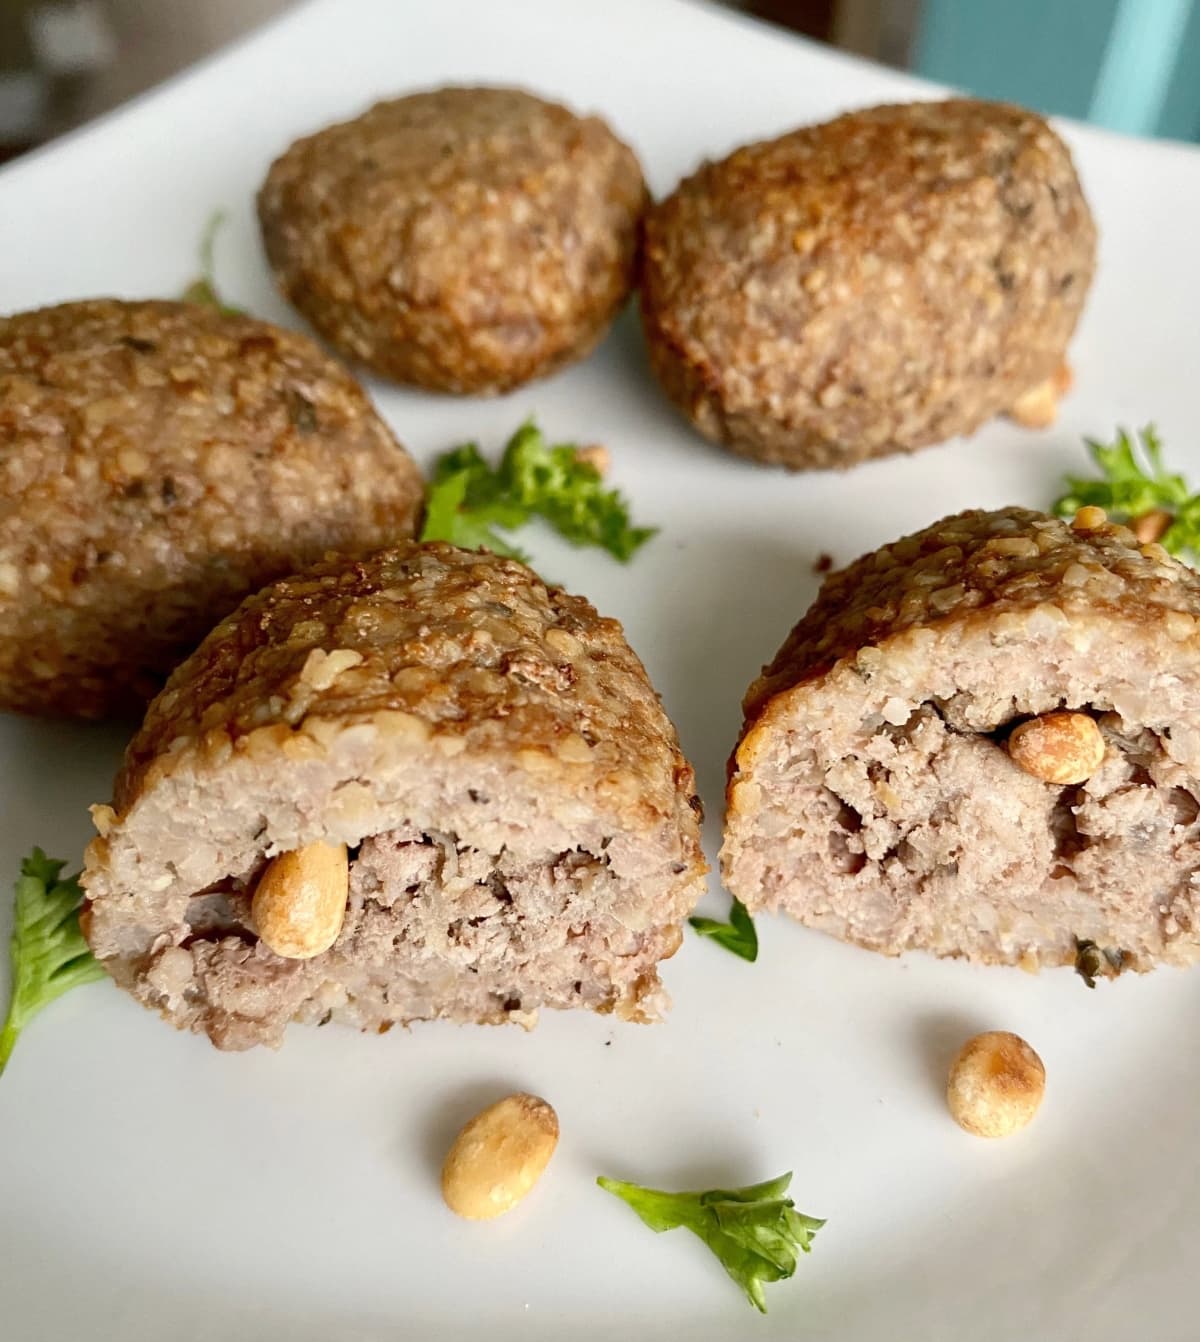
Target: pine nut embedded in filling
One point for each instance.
(499, 1156)
(299, 904)
(1059, 748)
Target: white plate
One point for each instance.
(153, 1188)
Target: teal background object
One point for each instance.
(1129, 65)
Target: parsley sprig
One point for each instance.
(1135, 485)
(49, 954)
(203, 289)
(755, 1232)
(469, 502)
(737, 935)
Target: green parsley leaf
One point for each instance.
(49, 954)
(203, 289)
(756, 1232)
(737, 935)
(1135, 483)
(467, 499)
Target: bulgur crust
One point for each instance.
(462, 240)
(437, 710)
(160, 461)
(872, 794)
(979, 565)
(871, 285)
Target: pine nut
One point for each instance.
(1089, 518)
(299, 904)
(1152, 526)
(1036, 408)
(996, 1084)
(498, 1157)
(1058, 748)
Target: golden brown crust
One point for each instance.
(871, 285)
(455, 641)
(977, 565)
(464, 240)
(161, 461)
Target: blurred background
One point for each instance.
(1130, 65)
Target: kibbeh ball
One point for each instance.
(417, 786)
(463, 240)
(159, 462)
(983, 740)
(872, 285)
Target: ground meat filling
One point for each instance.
(480, 936)
(983, 740)
(928, 813)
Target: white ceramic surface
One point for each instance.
(152, 1188)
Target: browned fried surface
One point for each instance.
(466, 642)
(987, 562)
(158, 461)
(464, 240)
(871, 285)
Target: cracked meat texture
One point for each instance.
(160, 461)
(871, 794)
(872, 285)
(523, 829)
(463, 240)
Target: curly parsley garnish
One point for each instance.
(49, 954)
(737, 935)
(203, 289)
(1138, 491)
(756, 1232)
(468, 499)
